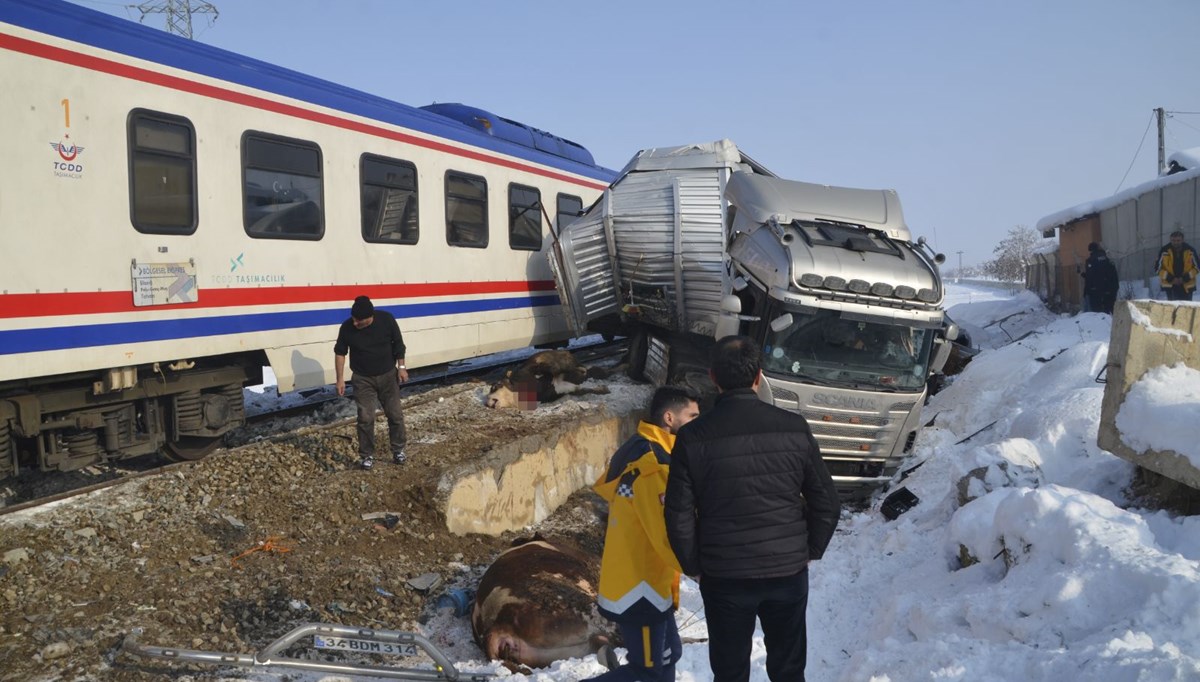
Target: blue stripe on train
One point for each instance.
(119, 333)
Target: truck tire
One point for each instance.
(638, 345)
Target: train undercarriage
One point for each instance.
(65, 423)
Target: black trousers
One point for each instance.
(369, 394)
(1178, 293)
(730, 607)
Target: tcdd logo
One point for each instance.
(68, 152)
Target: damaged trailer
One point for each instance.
(694, 243)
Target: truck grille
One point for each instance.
(855, 444)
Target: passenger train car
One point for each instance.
(176, 216)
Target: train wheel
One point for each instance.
(191, 448)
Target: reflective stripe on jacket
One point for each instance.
(639, 575)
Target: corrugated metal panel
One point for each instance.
(646, 207)
(702, 249)
(586, 283)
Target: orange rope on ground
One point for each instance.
(268, 545)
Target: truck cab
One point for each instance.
(691, 244)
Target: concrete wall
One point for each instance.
(520, 483)
(1136, 348)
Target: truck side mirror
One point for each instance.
(782, 322)
(731, 304)
(951, 332)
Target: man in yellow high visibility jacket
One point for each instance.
(1178, 265)
(639, 574)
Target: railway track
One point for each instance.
(40, 488)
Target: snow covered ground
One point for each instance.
(1071, 583)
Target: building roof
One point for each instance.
(1188, 158)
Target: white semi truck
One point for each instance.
(693, 243)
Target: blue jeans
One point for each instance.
(653, 652)
(732, 604)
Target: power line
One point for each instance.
(1188, 125)
(1135, 154)
(1185, 113)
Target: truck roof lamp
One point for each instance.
(859, 286)
(812, 279)
(927, 295)
(835, 283)
(905, 292)
(882, 289)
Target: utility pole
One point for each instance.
(179, 13)
(959, 266)
(1161, 115)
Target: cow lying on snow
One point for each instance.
(536, 604)
(543, 378)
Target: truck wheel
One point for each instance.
(638, 344)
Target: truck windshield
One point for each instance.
(828, 349)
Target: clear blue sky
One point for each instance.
(983, 114)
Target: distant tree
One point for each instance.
(1013, 253)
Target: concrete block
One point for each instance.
(521, 483)
(1145, 335)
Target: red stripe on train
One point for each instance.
(64, 56)
(105, 302)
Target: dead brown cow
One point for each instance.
(544, 377)
(536, 604)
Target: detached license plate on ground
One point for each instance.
(365, 646)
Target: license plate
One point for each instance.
(364, 646)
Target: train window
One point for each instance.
(524, 218)
(389, 200)
(569, 208)
(162, 173)
(466, 210)
(282, 194)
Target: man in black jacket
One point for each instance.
(749, 504)
(376, 347)
(1100, 281)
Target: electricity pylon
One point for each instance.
(179, 13)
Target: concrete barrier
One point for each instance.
(521, 483)
(1145, 335)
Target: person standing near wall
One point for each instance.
(372, 339)
(639, 575)
(1100, 281)
(1177, 268)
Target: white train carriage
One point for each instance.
(175, 216)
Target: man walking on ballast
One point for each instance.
(376, 348)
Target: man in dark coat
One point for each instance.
(372, 339)
(1100, 281)
(749, 504)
